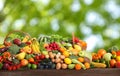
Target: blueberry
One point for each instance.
(41, 67)
(49, 66)
(53, 66)
(46, 67)
(50, 63)
(43, 63)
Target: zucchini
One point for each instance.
(99, 65)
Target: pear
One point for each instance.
(21, 55)
(70, 48)
(77, 47)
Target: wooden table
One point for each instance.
(89, 72)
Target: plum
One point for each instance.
(5, 66)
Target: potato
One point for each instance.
(46, 56)
(62, 57)
(58, 66)
(53, 60)
(57, 56)
(50, 53)
(64, 66)
(51, 56)
(57, 60)
(61, 61)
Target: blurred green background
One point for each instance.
(95, 21)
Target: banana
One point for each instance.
(35, 46)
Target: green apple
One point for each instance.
(81, 53)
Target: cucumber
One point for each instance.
(75, 61)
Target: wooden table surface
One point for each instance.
(89, 72)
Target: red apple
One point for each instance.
(118, 64)
(17, 41)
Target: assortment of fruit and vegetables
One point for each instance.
(20, 51)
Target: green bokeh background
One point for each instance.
(95, 21)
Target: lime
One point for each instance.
(34, 66)
(29, 65)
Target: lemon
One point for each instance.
(66, 53)
(67, 61)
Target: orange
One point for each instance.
(113, 52)
(24, 62)
(45, 45)
(81, 59)
(101, 52)
(78, 66)
(31, 60)
(62, 49)
(83, 44)
(75, 51)
(87, 65)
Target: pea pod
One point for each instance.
(1, 65)
(75, 61)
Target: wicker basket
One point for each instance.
(16, 34)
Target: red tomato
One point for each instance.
(118, 53)
(112, 63)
